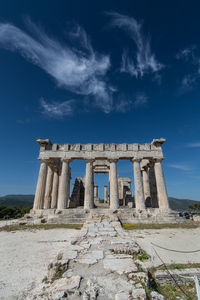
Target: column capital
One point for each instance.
(158, 160)
(115, 160)
(89, 160)
(68, 160)
(136, 159)
(43, 160)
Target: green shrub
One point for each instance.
(13, 212)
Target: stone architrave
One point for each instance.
(146, 186)
(161, 187)
(153, 188)
(105, 193)
(63, 191)
(114, 192)
(48, 189)
(55, 190)
(89, 185)
(139, 191)
(40, 189)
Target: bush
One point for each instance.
(13, 212)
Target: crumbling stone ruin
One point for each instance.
(150, 200)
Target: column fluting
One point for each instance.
(139, 192)
(55, 190)
(161, 186)
(40, 188)
(105, 193)
(95, 191)
(153, 188)
(89, 185)
(114, 192)
(146, 186)
(48, 189)
(63, 190)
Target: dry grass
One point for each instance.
(185, 225)
(40, 226)
(179, 266)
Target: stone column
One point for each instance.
(153, 189)
(105, 193)
(96, 191)
(146, 186)
(161, 187)
(139, 192)
(68, 193)
(48, 189)
(89, 185)
(114, 192)
(55, 190)
(40, 189)
(63, 191)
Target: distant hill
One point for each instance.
(181, 204)
(16, 200)
(26, 200)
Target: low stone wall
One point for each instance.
(125, 215)
(163, 277)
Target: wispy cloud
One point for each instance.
(141, 100)
(188, 56)
(144, 62)
(57, 110)
(193, 145)
(186, 53)
(79, 69)
(123, 106)
(188, 81)
(182, 167)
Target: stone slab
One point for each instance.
(120, 266)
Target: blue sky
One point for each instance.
(100, 71)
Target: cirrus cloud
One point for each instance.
(79, 70)
(57, 110)
(145, 61)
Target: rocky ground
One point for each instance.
(25, 255)
(177, 239)
(99, 262)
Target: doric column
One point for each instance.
(55, 189)
(105, 193)
(48, 189)
(139, 192)
(161, 187)
(63, 191)
(68, 191)
(89, 185)
(114, 192)
(95, 191)
(146, 186)
(40, 189)
(152, 183)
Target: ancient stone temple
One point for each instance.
(53, 186)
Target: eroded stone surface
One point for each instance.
(94, 269)
(119, 265)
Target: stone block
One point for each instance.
(120, 266)
(122, 296)
(139, 294)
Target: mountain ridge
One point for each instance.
(27, 200)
